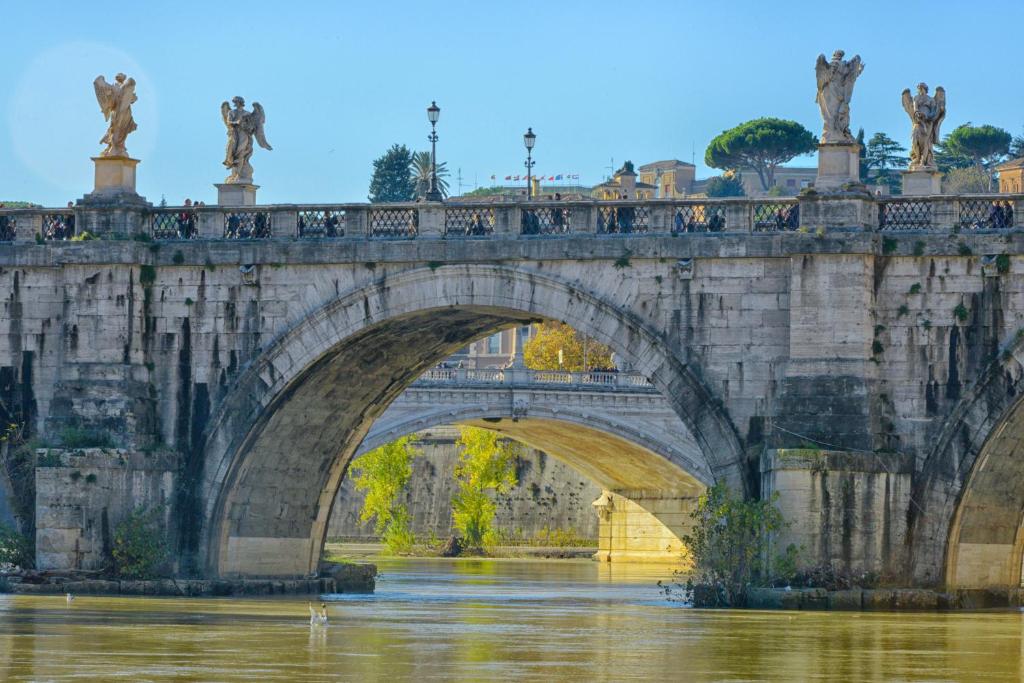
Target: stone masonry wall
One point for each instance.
(858, 342)
(82, 496)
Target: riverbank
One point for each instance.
(334, 578)
(888, 599)
(360, 551)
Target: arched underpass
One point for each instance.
(623, 437)
(284, 435)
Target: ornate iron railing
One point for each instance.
(468, 221)
(698, 218)
(985, 214)
(394, 223)
(623, 219)
(905, 214)
(248, 225)
(546, 220)
(57, 226)
(175, 224)
(8, 227)
(775, 216)
(321, 223)
(540, 217)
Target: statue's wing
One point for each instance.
(105, 96)
(225, 109)
(940, 111)
(258, 118)
(908, 103)
(851, 77)
(821, 70)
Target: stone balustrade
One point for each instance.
(524, 376)
(540, 218)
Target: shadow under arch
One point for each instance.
(280, 440)
(616, 454)
(968, 501)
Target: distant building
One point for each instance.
(624, 185)
(1011, 176)
(789, 179)
(671, 178)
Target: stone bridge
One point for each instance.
(863, 360)
(615, 428)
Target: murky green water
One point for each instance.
(490, 621)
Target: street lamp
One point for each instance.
(529, 139)
(433, 112)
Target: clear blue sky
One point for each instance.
(341, 81)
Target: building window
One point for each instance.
(494, 343)
(790, 182)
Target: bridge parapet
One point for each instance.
(540, 218)
(526, 377)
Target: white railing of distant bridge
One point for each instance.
(455, 376)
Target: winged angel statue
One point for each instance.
(243, 126)
(835, 90)
(926, 114)
(116, 100)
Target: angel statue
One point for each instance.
(926, 114)
(116, 100)
(835, 90)
(242, 127)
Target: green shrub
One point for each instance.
(960, 312)
(1003, 264)
(15, 549)
(80, 437)
(915, 288)
(139, 548)
(729, 545)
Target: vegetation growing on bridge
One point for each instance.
(384, 473)
(139, 549)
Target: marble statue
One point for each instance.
(835, 90)
(926, 114)
(243, 126)
(116, 100)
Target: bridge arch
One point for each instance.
(616, 451)
(279, 442)
(968, 504)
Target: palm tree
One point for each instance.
(421, 174)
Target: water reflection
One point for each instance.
(492, 620)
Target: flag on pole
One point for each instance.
(508, 177)
(493, 178)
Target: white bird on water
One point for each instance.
(318, 619)
(70, 598)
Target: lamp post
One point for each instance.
(433, 112)
(529, 139)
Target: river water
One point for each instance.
(493, 620)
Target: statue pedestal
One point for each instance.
(922, 182)
(838, 165)
(113, 208)
(114, 182)
(236, 194)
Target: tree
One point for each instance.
(862, 154)
(486, 463)
(984, 145)
(729, 544)
(139, 548)
(421, 168)
(966, 181)
(724, 186)
(384, 473)
(883, 156)
(1017, 147)
(762, 144)
(392, 178)
(541, 351)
